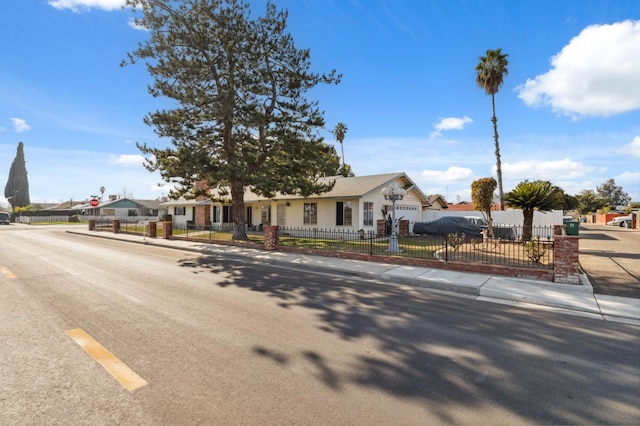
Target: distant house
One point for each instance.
(123, 207)
(437, 202)
(354, 203)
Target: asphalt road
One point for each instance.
(228, 342)
(610, 256)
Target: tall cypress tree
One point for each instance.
(17, 188)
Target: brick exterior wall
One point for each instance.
(403, 227)
(203, 212)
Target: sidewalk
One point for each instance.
(560, 298)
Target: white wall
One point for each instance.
(506, 217)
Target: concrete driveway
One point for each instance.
(610, 256)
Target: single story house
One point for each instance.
(123, 207)
(354, 203)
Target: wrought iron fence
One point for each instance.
(454, 247)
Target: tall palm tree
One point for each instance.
(339, 132)
(535, 195)
(490, 73)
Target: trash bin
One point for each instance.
(572, 227)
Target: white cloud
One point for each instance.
(632, 149)
(19, 125)
(127, 160)
(449, 123)
(136, 25)
(553, 170)
(452, 174)
(596, 74)
(80, 5)
(628, 177)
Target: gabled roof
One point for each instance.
(345, 187)
(119, 203)
(438, 199)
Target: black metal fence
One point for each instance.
(454, 247)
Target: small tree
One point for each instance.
(589, 202)
(16, 191)
(482, 191)
(612, 193)
(531, 196)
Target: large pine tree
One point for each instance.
(17, 188)
(241, 118)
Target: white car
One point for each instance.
(622, 221)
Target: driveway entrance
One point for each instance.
(610, 256)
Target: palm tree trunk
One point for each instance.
(527, 226)
(342, 149)
(494, 120)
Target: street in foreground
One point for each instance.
(219, 341)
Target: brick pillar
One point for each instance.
(381, 227)
(271, 237)
(566, 266)
(115, 224)
(403, 228)
(152, 228)
(92, 224)
(559, 229)
(167, 230)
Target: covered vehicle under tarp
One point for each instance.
(448, 225)
(471, 228)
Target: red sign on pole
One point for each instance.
(94, 202)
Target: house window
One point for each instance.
(216, 214)
(368, 213)
(227, 214)
(344, 213)
(310, 214)
(132, 212)
(265, 217)
(180, 211)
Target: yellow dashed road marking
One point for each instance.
(7, 273)
(118, 369)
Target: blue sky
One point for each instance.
(568, 112)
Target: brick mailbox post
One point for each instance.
(92, 224)
(115, 224)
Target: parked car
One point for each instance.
(622, 221)
(5, 219)
(471, 227)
